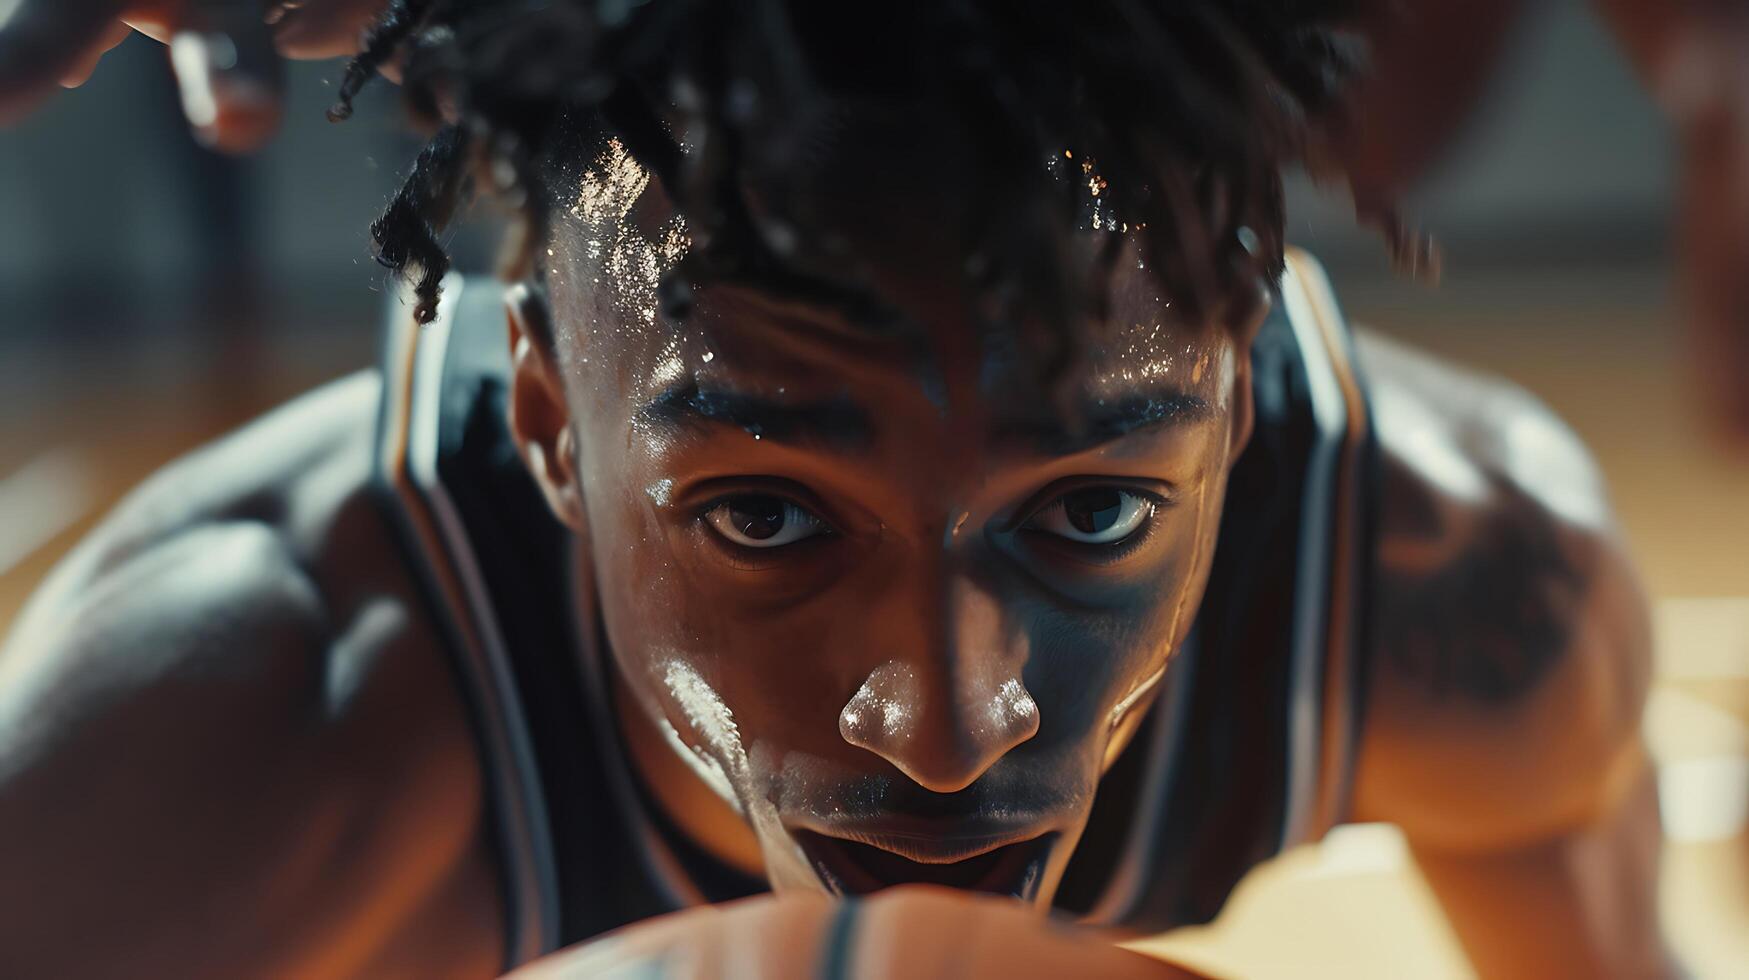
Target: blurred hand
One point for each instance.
(908, 933)
(226, 53)
(1432, 62)
(1694, 57)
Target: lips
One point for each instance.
(1000, 865)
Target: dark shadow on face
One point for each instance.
(893, 604)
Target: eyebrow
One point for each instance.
(837, 423)
(1103, 421)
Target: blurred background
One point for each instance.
(154, 295)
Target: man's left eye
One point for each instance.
(1096, 515)
(757, 520)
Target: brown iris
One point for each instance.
(1094, 510)
(759, 518)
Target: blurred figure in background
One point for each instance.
(1433, 61)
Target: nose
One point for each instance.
(952, 702)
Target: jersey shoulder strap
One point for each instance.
(1249, 749)
(494, 565)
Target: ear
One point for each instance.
(1244, 415)
(540, 418)
(1244, 412)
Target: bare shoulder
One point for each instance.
(192, 711)
(215, 543)
(1510, 640)
(261, 474)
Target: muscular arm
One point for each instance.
(148, 726)
(1510, 667)
(216, 762)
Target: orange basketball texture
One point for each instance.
(912, 932)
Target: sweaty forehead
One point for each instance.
(1137, 339)
(762, 363)
(619, 236)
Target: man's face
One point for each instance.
(899, 607)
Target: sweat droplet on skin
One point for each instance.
(953, 530)
(669, 368)
(710, 719)
(883, 698)
(703, 766)
(633, 262)
(1122, 709)
(1012, 703)
(706, 714)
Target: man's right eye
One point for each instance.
(756, 520)
(1096, 515)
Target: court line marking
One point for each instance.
(1701, 637)
(1704, 799)
(41, 499)
(1361, 849)
(1678, 725)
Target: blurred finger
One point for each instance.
(40, 42)
(230, 78)
(322, 28)
(81, 72)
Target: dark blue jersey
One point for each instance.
(1248, 750)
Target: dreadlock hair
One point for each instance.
(1171, 118)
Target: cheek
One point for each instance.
(639, 586)
(1085, 665)
(730, 677)
(660, 651)
(1094, 669)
